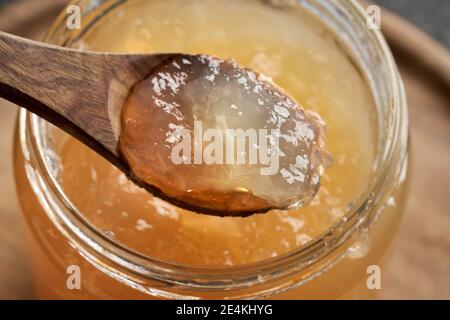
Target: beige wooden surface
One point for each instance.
(420, 263)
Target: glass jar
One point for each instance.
(335, 264)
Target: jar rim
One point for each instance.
(134, 268)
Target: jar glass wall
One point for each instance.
(67, 227)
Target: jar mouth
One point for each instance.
(347, 21)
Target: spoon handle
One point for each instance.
(80, 92)
(64, 86)
(34, 73)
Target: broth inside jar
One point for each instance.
(289, 46)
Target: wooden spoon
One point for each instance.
(84, 93)
(80, 92)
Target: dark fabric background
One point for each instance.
(433, 16)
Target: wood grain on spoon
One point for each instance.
(84, 93)
(80, 92)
